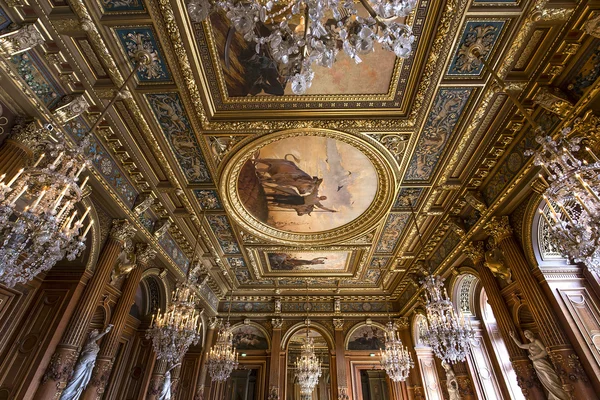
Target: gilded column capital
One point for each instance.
(475, 251)
(122, 230)
(338, 323)
(402, 323)
(21, 40)
(144, 253)
(277, 323)
(499, 228)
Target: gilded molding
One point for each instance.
(499, 228)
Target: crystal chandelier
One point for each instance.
(571, 196)
(308, 367)
(395, 359)
(448, 336)
(222, 357)
(298, 34)
(173, 331)
(39, 224)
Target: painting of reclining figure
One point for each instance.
(307, 184)
(308, 261)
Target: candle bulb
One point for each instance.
(14, 200)
(87, 229)
(552, 211)
(60, 197)
(543, 180)
(84, 182)
(80, 171)
(62, 210)
(39, 160)
(546, 218)
(2, 178)
(17, 175)
(591, 153)
(37, 201)
(55, 163)
(87, 210)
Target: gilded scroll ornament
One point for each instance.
(499, 228)
(592, 26)
(475, 251)
(20, 40)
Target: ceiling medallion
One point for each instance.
(309, 186)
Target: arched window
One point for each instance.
(499, 348)
(466, 294)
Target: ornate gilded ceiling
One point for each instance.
(286, 190)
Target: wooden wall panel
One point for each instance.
(31, 340)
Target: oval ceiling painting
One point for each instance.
(301, 183)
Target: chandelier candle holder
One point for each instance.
(571, 196)
(298, 34)
(222, 357)
(448, 335)
(308, 367)
(395, 359)
(174, 330)
(39, 222)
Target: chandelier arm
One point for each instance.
(414, 216)
(142, 59)
(475, 52)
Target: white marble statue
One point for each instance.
(451, 382)
(82, 373)
(544, 370)
(165, 391)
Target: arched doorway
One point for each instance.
(323, 390)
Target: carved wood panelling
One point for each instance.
(138, 365)
(31, 340)
(585, 315)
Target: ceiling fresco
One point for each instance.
(280, 191)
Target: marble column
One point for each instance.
(144, 253)
(64, 358)
(202, 386)
(340, 361)
(566, 362)
(526, 378)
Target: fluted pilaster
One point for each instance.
(528, 382)
(68, 349)
(566, 362)
(143, 255)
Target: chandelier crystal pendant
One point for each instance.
(298, 34)
(572, 197)
(39, 222)
(308, 367)
(174, 330)
(222, 357)
(449, 336)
